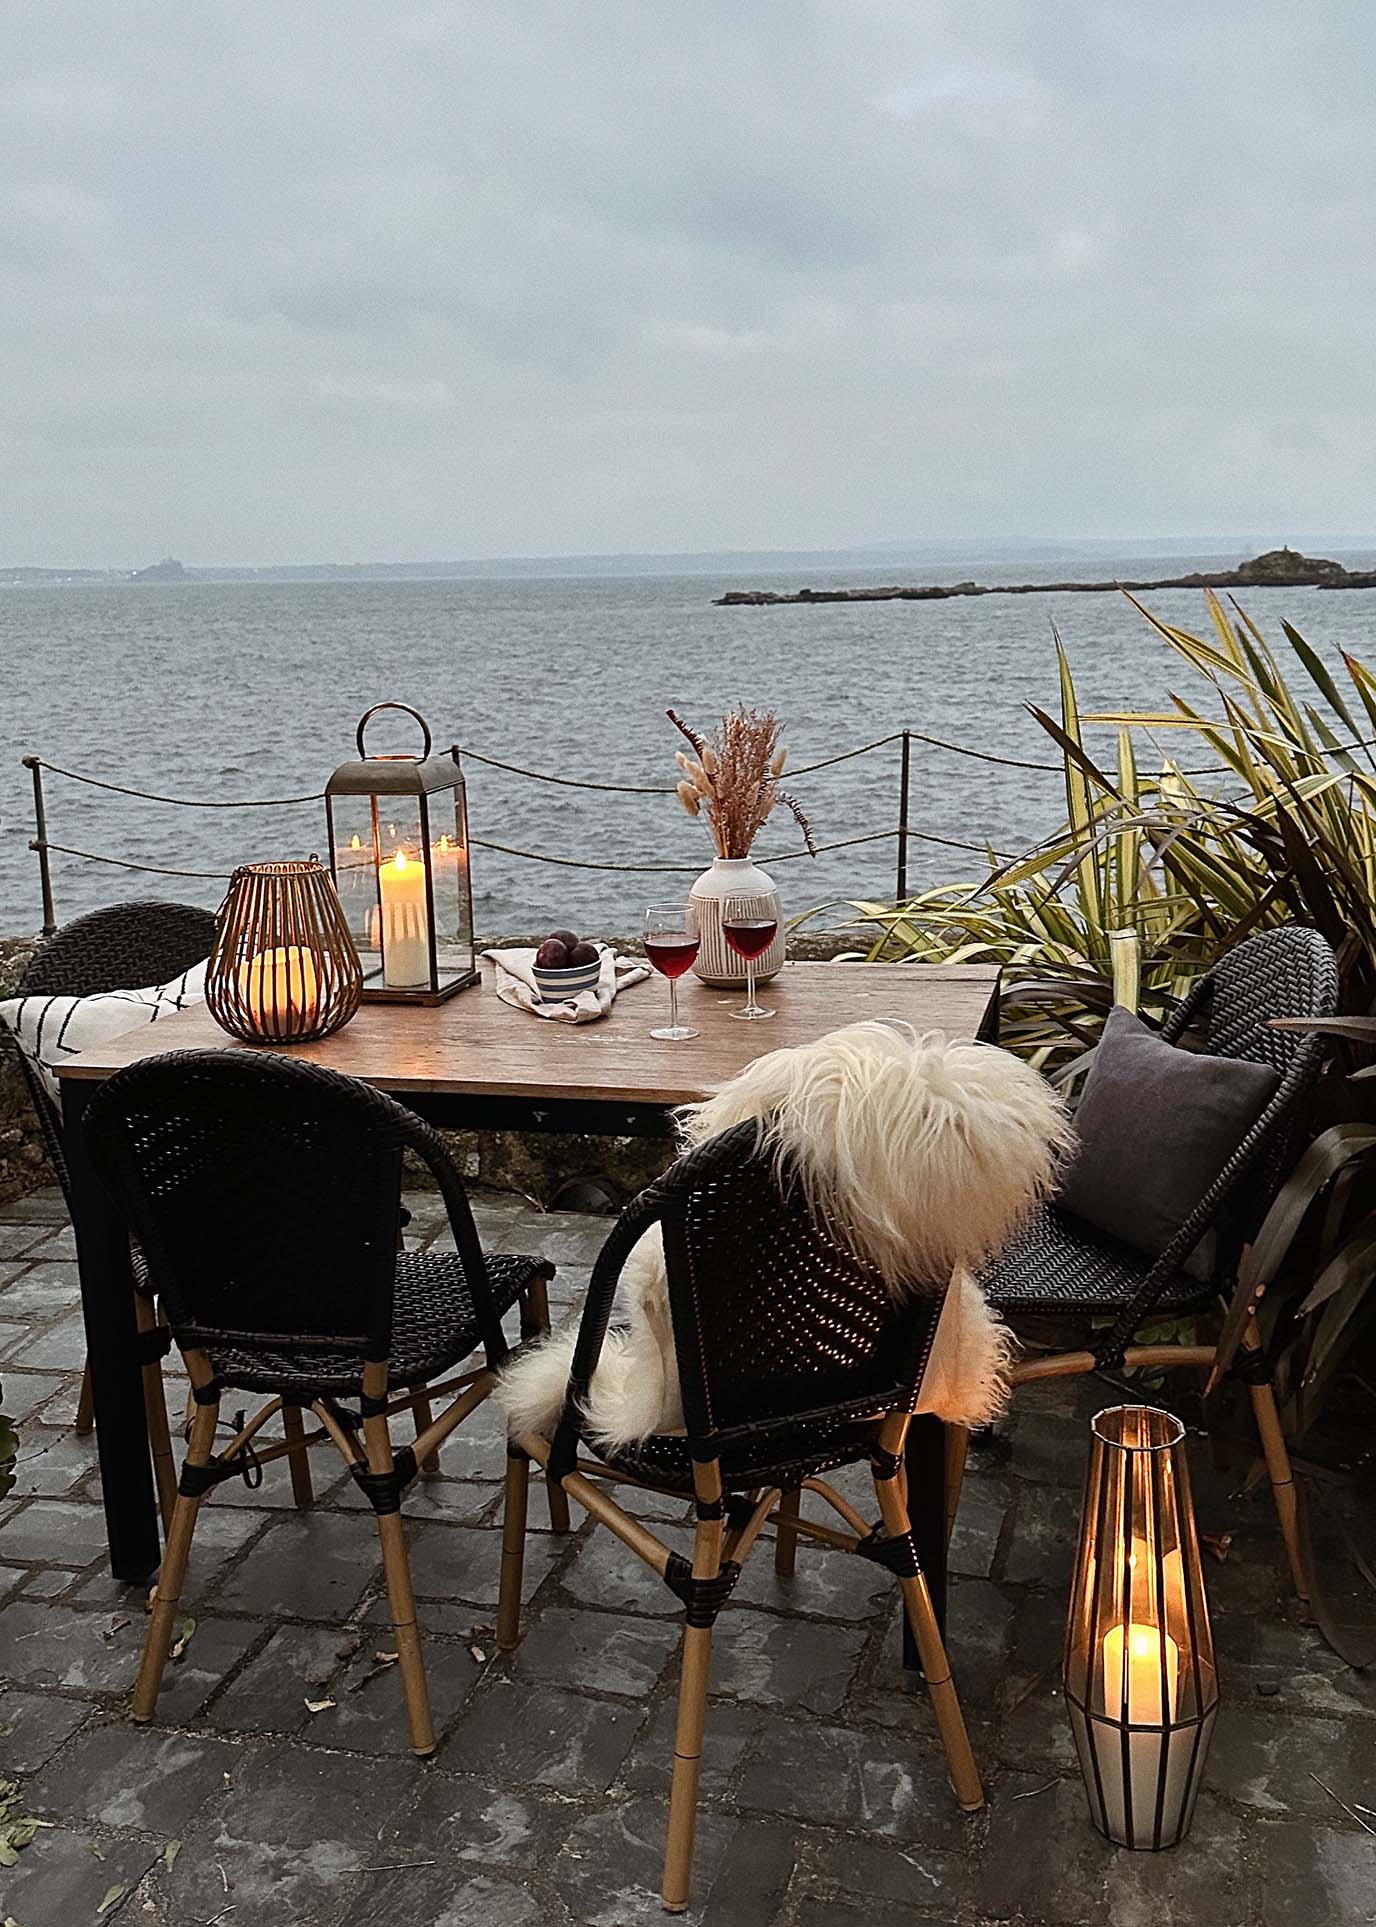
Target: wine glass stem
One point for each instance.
(750, 983)
(673, 1003)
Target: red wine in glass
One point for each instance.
(672, 952)
(671, 943)
(749, 937)
(749, 925)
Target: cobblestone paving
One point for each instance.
(825, 1803)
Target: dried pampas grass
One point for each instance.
(733, 778)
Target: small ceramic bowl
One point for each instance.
(557, 986)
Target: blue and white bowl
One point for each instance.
(557, 986)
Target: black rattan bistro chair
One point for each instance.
(1061, 1265)
(264, 1192)
(793, 1361)
(123, 947)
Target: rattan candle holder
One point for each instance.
(284, 969)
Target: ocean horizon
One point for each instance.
(250, 689)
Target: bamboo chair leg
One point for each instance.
(683, 1794)
(173, 1571)
(1279, 1470)
(558, 1501)
(694, 1669)
(155, 1416)
(513, 1549)
(396, 1565)
(424, 1415)
(917, 1602)
(299, 1458)
(786, 1543)
(957, 1446)
(85, 1405)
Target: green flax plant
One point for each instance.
(1153, 876)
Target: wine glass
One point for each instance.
(671, 944)
(749, 925)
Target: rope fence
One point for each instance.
(903, 833)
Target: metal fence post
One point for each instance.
(903, 783)
(39, 842)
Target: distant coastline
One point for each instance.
(1276, 569)
(910, 560)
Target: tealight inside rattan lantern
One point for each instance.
(1140, 1683)
(284, 969)
(398, 828)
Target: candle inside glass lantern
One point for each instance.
(405, 923)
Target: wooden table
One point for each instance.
(476, 1063)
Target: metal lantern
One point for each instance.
(284, 969)
(1140, 1682)
(398, 828)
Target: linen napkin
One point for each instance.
(516, 985)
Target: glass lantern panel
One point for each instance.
(453, 902)
(355, 874)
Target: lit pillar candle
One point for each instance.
(405, 930)
(278, 986)
(1133, 1693)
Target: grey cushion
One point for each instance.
(1156, 1126)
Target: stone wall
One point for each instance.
(23, 1160)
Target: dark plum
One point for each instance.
(581, 955)
(569, 938)
(553, 954)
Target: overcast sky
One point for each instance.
(344, 281)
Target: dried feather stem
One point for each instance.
(734, 778)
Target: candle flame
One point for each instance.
(444, 845)
(399, 860)
(355, 843)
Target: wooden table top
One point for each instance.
(476, 1045)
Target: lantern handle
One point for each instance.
(406, 709)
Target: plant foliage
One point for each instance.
(1151, 877)
(1163, 862)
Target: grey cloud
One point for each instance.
(358, 279)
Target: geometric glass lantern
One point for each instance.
(284, 969)
(1140, 1683)
(398, 830)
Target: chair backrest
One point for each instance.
(265, 1193)
(775, 1318)
(1289, 972)
(123, 947)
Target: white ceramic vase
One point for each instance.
(717, 963)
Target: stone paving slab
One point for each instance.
(824, 1798)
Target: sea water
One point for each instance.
(249, 690)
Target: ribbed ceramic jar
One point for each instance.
(717, 963)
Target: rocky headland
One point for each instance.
(1276, 569)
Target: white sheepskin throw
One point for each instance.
(924, 1154)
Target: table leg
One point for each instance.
(107, 1304)
(924, 1461)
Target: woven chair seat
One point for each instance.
(434, 1326)
(784, 1458)
(1060, 1263)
